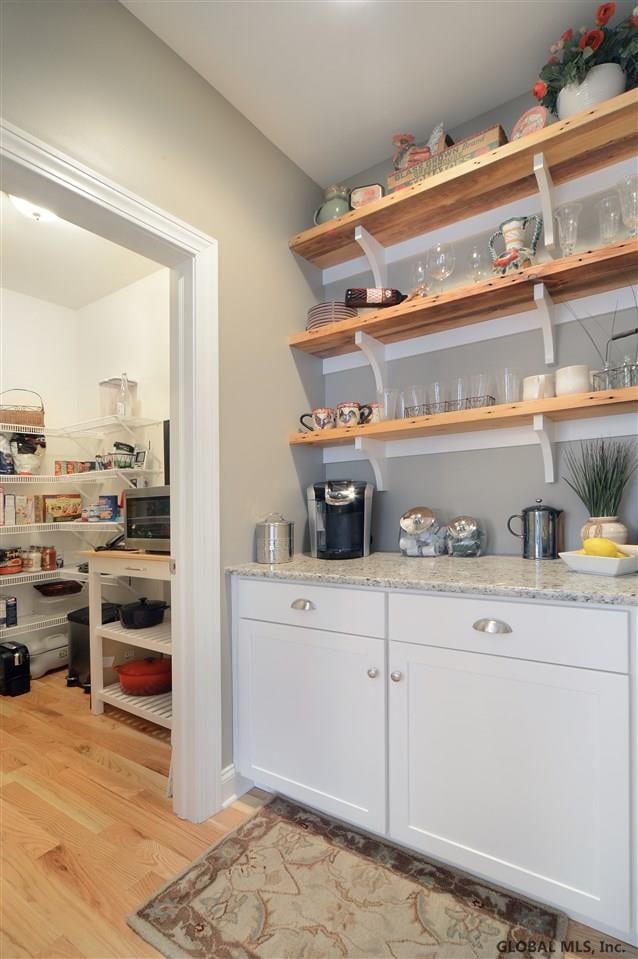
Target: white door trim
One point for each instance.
(46, 176)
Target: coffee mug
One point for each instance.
(573, 379)
(323, 418)
(351, 414)
(538, 387)
(377, 413)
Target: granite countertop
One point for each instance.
(487, 575)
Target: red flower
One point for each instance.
(634, 21)
(567, 36)
(540, 89)
(593, 39)
(553, 60)
(604, 13)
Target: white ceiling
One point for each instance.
(330, 81)
(62, 263)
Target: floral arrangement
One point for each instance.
(574, 55)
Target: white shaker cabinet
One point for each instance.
(312, 717)
(514, 770)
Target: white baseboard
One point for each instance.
(233, 785)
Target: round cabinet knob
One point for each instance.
(303, 604)
(373, 672)
(396, 676)
(491, 626)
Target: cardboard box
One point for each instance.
(1, 506)
(9, 509)
(38, 509)
(62, 507)
(25, 514)
(473, 146)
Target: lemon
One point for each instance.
(599, 546)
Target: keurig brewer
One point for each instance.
(340, 514)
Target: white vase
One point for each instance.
(603, 82)
(607, 526)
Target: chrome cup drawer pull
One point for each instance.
(491, 626)
(373, 672)
(304, 604)
(396, 676)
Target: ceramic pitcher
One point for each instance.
(517, 254)
(336, 202)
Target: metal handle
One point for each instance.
(136, 569)
(396, 676)
(304, 604)
(491, 626)
(373, 672)
(513, 531)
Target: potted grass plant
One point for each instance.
(590, 65)
(598, 472)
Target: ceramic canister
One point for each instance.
(539, 386)
(573, 379)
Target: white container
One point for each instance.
(600, 565)
(539, 386)
(573, 379)
(603, 82)
(47, 652)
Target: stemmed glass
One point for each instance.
(477, 263)
(440, 262)
(608, 218)
(419, 273)
(567, 219)
(628, 192)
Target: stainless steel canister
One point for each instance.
(275, 539)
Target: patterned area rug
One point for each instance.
(292, 884)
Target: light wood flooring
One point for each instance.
(86, 830)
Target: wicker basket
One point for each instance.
(16, 415)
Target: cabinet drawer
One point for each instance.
(132, 567)
(592, 638)
(358, 612)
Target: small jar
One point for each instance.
(49, 558)
(35, 557)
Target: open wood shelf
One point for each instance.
(588, 141)
(570, 277)
(155, 638)
(155, 709)
(575, 406)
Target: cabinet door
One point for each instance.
(311, 720)
(517, 771)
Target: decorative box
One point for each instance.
(473, 146)
(365, 194)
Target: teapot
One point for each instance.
(516, 255)
(336, 202)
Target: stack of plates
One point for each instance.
(331, 312)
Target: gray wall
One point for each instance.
(489, 484)
(94, 82)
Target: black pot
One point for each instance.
(144, 613)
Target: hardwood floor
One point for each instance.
(87, 832)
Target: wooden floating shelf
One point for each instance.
(575, 406)
(585, 142)
(571, 277)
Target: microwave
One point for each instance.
(147, 518)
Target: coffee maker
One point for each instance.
(340, 516)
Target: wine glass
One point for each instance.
(567, 219)
(628, 192)
(419, 274)
(608, 218)
(477, 262)
(440, 262)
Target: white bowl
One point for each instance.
(600, 565)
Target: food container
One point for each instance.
(142, 614)
(420, 533)
(63, 587)
(275, 539)
(465, 537)
(145, 677)
(600, 565)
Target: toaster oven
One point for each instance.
(147, 518)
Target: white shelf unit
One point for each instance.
(155, 709)
(43, 576)
(74, 527)
(155, 638)
(75, 479)
(158, 639)
(33, 622)
(98, 427)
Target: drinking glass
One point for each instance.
(419, 274)
(510, 386)
(414, 401)
(480, 389)
(567, 219)
(389, 400)
(477, 262)
(459, 392)
(628, 192)
(436, 397)
(608, 218)
(440, 262)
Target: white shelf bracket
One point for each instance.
(374, 450)
(375, 254)
(543, 176)
(544, 430)
(374, 352)
(546, 311)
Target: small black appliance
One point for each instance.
(15, 669)
(340, 516)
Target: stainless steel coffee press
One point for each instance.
(542, 531)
